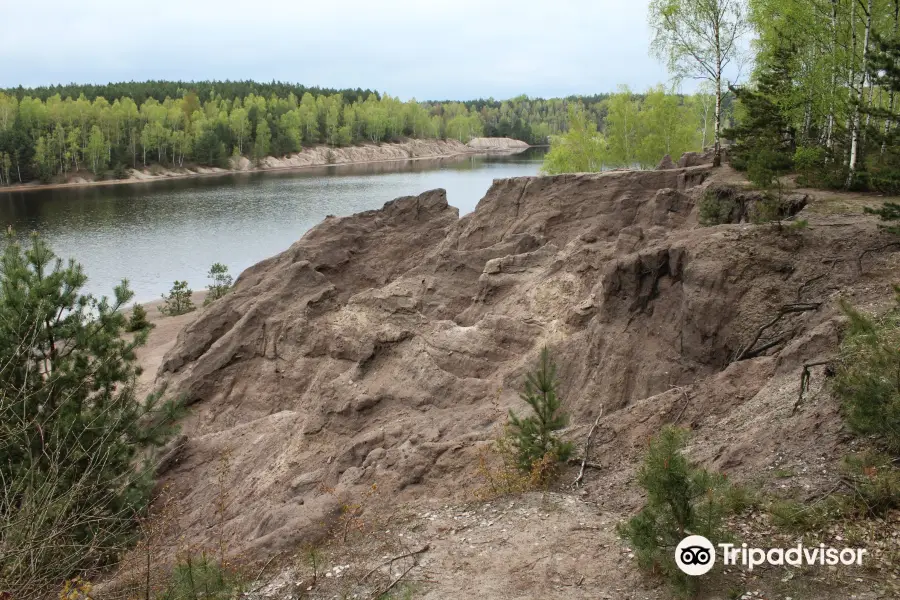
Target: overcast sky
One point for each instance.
(425, 49)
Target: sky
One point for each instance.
(423, 49)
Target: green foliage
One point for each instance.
(138, 320)
(202, 578)
(873, 484)
(221, 283)
(764, 140)
(45, 133)
(534, 436)
(717, 206)
(178, 302)
(682, 499)
(74, 440)
(120, 171)
(867, 376)
(809, 162)
(580, 150)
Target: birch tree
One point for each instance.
(700, 39)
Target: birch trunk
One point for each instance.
(854, 132)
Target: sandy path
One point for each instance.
(161, 338)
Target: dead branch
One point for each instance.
(787, 309)
(876, 249)
(381, 593)
(263, 570)
(424, 548)
(804, 381)
(687, 400)
(587, 449)
(588, 465)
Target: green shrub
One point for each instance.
(178, 302)
(682, 500)
(138, 320)
(120, 171)
(873, 489)
(867, 377)
(809, 163)
(534, 437)
(717, 207)
(875, 482)
(75, 441)
(202, 578)
(221, 283)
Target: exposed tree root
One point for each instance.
(750, 351)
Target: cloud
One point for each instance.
(428, 50)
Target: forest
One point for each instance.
(823, 97)
(53, 132)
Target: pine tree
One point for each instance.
(138, 320)
(221, 282)
(178, 302)
(534, 436)
(682, 500)
(764, 140)
(73, 436)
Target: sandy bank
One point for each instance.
(162, 337)
(314, 156)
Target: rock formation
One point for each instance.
(382, 347)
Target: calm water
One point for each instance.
(154, 233)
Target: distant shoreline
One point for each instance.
(308, 158)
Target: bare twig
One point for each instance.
(687, 400)
(587, 449)
(265, 566)
(381, 593)
(424, 548)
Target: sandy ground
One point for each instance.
(161, 338)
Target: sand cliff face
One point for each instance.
(497, 144)
(384, 347)
(322, 155)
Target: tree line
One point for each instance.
(823, 97)
(45, 134)
(637, 131)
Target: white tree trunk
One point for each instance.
(854, 132)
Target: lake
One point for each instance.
(156, 232)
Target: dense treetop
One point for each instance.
(52, 132)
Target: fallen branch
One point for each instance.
(424, 548)
(876, 249)
(804, 381)
(587, 449)
(381, 593)
(687, 400)
(263, 570)
(577, 461)
(787, 309)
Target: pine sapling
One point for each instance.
(534, 436)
